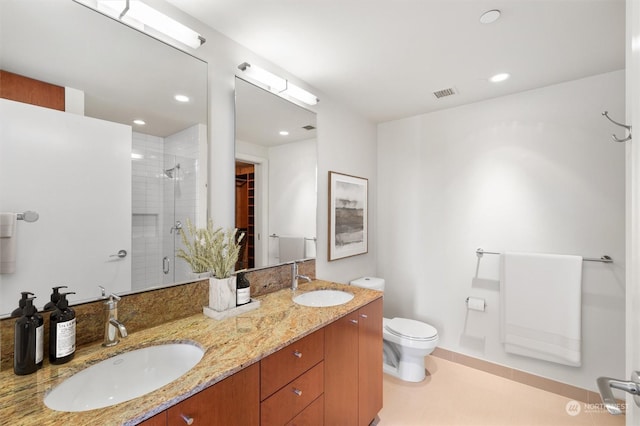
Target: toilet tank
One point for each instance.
(372, 283)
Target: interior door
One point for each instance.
(56, 164)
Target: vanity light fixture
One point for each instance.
(181, 98)
(300, 94)
(143, 17)
(273, 82)
(499, 77)
(277, 84)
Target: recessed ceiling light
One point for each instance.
(284, 133)
(499, 77)
(139, 122)
(490, 16)
(181, 98)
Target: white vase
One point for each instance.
(222, 293)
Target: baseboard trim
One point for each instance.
(559, 388)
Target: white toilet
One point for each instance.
(406, 341)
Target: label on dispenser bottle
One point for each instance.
(243, 296)
(39, 344)
(66, 338)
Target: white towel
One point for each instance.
(8, 243)
(309, 248)
(540, 306)
(291, 248)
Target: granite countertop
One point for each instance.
(230, 345)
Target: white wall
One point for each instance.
(346, 143)
(292, 189)
(534, 171)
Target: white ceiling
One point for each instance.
(384, 58)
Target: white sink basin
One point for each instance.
(124, 377)
(323, 298)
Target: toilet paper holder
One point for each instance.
(476, 304)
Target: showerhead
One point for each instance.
(169, 172)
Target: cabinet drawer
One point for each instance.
(292, 399)
(313, 415)
(231, 402)
(281, 367)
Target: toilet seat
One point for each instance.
(411, 329)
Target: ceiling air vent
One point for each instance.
(444, 92)
(308, 127)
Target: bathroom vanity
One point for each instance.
(280, 364)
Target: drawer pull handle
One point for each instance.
(354, 321)
(364, 315)
(297, 354)
(188, 420)
(297, 391)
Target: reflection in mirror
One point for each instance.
(275, 177)
(100, 184)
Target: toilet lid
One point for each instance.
(411, 329)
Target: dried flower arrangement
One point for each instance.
(210, 249)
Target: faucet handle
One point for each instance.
(112, 301)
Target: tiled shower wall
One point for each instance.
(156, 198)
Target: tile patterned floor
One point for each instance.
(456, 395)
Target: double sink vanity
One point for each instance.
(284, 363)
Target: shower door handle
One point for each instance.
(165, 265)
(606, 383)
(177, 227)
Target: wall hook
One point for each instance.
(613, 136)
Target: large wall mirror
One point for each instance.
(100, 184)
(276, 175)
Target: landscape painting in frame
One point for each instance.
(347, 215)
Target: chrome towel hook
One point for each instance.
(613, 136)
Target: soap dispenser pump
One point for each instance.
(28, 340)
(55, 298)
(62, 332)
(17, 312)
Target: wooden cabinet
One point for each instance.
(313, 415)
(341, 371)
(330, 377)
(293, 398)
(291, 381)
(233, 401)
(370, 362)
(353, 367)
(157, 420)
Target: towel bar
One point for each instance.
(604, 259)
(28, 216)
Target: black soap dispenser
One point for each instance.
(55, 298)
(17, 312)
(62, 332)
(28, 340)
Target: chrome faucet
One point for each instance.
(111, 324)
(295, 276)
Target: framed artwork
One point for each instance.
(347, 216)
